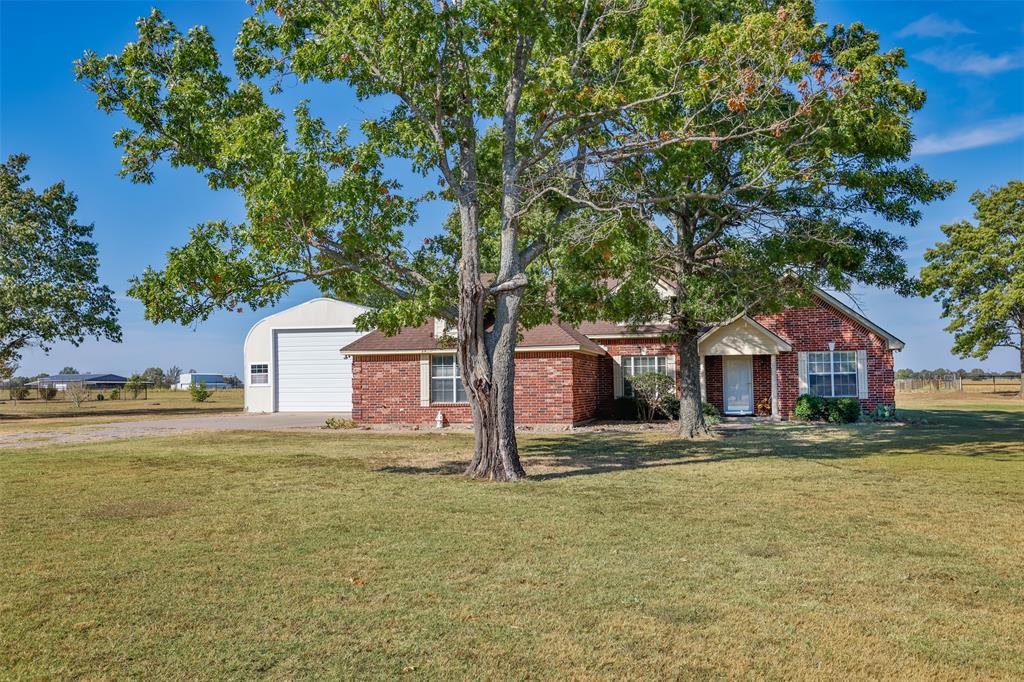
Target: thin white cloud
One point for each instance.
(933, 26)
(969, 60)
(984, 134)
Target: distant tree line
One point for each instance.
(942, 372)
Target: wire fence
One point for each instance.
(988, 383)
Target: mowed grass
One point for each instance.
(869, 551)
(42, 415)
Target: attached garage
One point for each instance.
(293, 359)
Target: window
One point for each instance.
(259, 374)
(832, 374)
(445, 382)
(635, 365)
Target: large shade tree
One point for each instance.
(977, 274)
(545, 95)
(748, 224)
(49, 287)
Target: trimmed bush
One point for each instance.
(711, 414)
(99, 396)
(650, 390)
(833, 410)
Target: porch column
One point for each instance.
(775, 390)
(703, 384)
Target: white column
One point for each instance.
(703, 384)
(775, 390)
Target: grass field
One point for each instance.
(42, 415)
(785, 551)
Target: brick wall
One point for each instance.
(811, 329)
(713, 381)
(762, 366)
(386, 390)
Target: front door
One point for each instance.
(738, 385)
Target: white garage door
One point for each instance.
(312, 374)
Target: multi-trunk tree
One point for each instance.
(750, 223)
(977, 275)
(549, 95)
(49, 286)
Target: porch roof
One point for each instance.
(742, 335)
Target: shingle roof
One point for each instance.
(421, 339)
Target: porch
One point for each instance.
(739, 368)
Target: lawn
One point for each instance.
(43, 415)
(784, 551)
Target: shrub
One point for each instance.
(47, 393)
(843, 410)
(669, 406)
(649, 390)
(623, 408)
(77, 392)
(809, 408)
(19, 393)
(881, 413)
(339, 423)
(711, 414)
(115, 393)
(834, 410)
(100, 397)
(200, 394)
(763, 407)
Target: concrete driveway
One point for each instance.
(291, 421)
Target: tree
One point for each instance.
(232, 381)
(200, 393)
(49, 289)
(135, 385)
(171, 375)
(977, 274)
(757, 221)
(545, 96)
(69, 370)
(154, 375)
(77, 392)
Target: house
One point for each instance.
(567, 375)
(188, 379)
(293, 360)
(95, 381)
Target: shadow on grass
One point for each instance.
(989, 433)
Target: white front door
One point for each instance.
(738, 384)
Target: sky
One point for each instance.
(968, 56)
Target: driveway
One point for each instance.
(292, 421)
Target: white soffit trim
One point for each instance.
(781, 345)
(893, 342)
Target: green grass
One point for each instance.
(782, 552)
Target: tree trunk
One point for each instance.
(691, 414)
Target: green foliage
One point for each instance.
(881, 413)
(669, 406)
(47, 393)
(135, 385)
(809, 407)
(833, 410)
(49, 287)
(977, 274)
(339, 423)
(711, 414)
(100, 397)
(19, 392)
(69, 370)
(115, 394)
(200, 393)
(649, 390)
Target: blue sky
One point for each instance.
(968, 56)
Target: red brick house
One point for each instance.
(568, 375)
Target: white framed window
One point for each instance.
(832, 374)
(446, 381)
(635, 365)
(259, 374)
